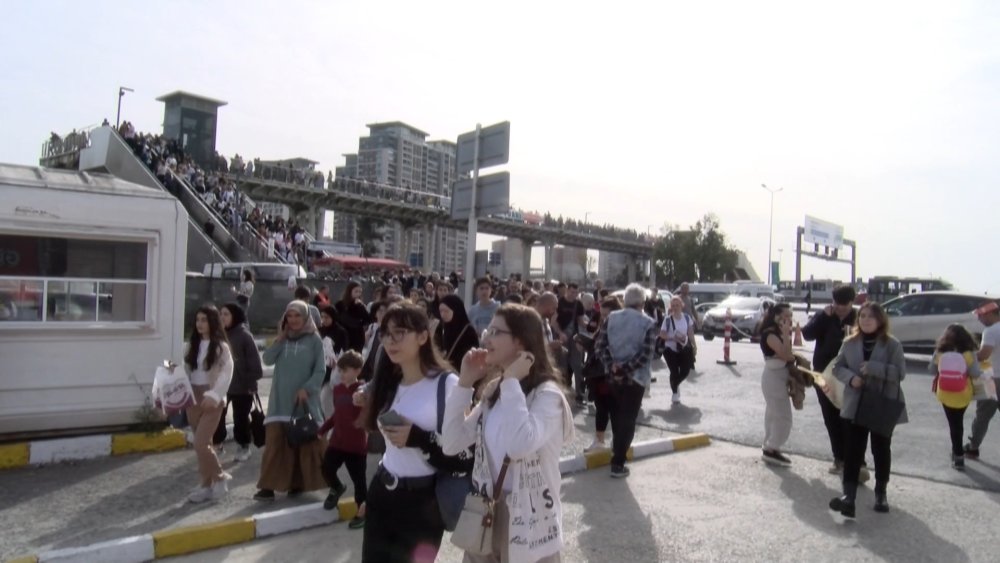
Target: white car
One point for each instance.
(746, 315)
(917, 320)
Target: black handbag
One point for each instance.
(879, 413)
(257, 422)
(302, 429)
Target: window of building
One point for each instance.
(66, 280)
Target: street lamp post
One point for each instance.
(586, 216)
(121, 93)
(770, 229)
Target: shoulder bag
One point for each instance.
(450, 488)
(474, 532)
(257, 422)
(302, 429)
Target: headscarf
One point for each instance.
(302, 308)
(237, 313)
(459, 320)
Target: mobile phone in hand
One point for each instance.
(391, 418)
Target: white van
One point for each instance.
(261, 270)
(708, 292)
(747, 288)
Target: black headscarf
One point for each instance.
(451, 331)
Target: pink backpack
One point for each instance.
(952, 372)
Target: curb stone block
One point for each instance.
(348, 509)
(25, 559)
(691, 441)
(178, 541)
(140, 442)
(68, 449)
(292, 519)
(128, 550)
(14, 455)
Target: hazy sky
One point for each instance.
(879, 116)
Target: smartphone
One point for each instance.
(391, 418)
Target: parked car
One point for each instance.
(701, 310)
(746, 315)
(918, 319)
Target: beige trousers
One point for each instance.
(204, 422)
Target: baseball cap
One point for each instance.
(987, 308)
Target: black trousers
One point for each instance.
(679, 364)
(956, 427)
(242, 404)
(626, 400)
(400, 524)
(357, 467)
(854, 455)
(834, 424)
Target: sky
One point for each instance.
(881, 117)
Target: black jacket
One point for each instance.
(828, 332)
(247, 369)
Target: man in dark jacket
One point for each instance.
(828, 328)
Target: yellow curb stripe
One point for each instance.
(347, 509)
(179, 541)
(25, 559)
(14, 455)
(141, 442)
(691, 441)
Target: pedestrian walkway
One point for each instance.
(716, 504)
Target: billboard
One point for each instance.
(823, 233)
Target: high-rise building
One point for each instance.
(398, 154)
(611, 266)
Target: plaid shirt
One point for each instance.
(643, 357)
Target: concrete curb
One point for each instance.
(191, 539)
(41, 452)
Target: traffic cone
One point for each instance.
(797, 341)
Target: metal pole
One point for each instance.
(770, 230)
(470, 245)
(121, 94)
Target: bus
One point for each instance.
(821, 290)
(882, 288)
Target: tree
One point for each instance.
(369, 235)
(698, 254)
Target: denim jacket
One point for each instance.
(626, 336)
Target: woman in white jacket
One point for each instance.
(209, 364)
(523, 414)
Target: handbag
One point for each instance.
(301, 430)
(451, 489)
(257, 422)
(831, 386)
(474, 532)
(879, 413)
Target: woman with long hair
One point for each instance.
(209, 364)
(297, 357)
(776, 345)
(956, 396)
(518, 427)
(455, 335)
(870, 361)
(353, 316)
(246, 373)
(245, 290)
(403, 519)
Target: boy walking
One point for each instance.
(349, 443)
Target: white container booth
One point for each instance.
(91, 298)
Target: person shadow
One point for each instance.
(897, 536)
(679, 417)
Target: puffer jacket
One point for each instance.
(246, 359)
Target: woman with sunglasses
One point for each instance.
(518, 427)
(403, 519)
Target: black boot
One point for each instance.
(844, 504)
(881, 501)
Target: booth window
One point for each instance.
(67, 280)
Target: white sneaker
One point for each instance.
(242, 454)
(201, 494)
(219, 489)
(676, 399)
(595, 446)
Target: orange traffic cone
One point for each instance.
(797, 341)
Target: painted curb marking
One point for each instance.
(190, 539)
(178, 541)
(140, 442)
(128, 550)
(68, 449)
(14, 455)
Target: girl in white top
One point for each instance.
(523, 414)
(403, 519)
(209, 364)
(677, 332)
(245, 290)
